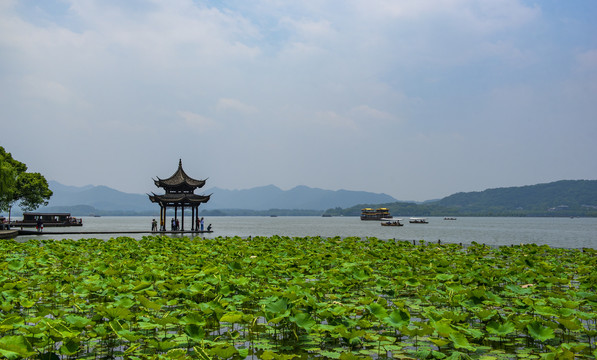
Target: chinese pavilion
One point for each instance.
(180, 192)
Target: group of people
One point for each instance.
(175, 225)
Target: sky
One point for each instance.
(414, 99)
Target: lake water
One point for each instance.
(494, 231)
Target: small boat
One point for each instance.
(418, 220)
(391, 222)
(449, 218)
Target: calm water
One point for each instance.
(556, 232)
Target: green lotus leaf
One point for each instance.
(349, 356)
(398, 318)
(268, 355)
(78, 321)
(500, 329)
(570, 324)
(16, 265)
(277, 306)
(443, 327)
(330, 354)
(16, 346)
(195, 332)
(148, 303)
(70, 347)
(412, 282)
(142, 285)
(486, 314)
(460, 341)
(240, 281)
(224, 351)
(193, 318)
(303, 320)
(176, 354)
(539, 331)
(377, 310)
(116, 312)
(545, 311)
(439, 342)
(444, 277)
(125, 302)
(27, 303)
(232, 317)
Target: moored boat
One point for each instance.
(48, 220)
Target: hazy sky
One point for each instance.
(415, 99)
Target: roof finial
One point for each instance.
(179, 162)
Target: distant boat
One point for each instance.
(391, 222)
(449, 218)
(375, 214)
(418, 220)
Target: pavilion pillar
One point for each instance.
(175, 214)
(161, 216)
(192, 218)
(182, 216)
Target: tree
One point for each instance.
(29, 190)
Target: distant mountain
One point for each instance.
(102, 200)
(555, 197)
(300, 197)
(560, 198)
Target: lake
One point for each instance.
(494, 231)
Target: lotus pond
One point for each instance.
(288, 297)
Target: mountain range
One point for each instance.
(560, 198)
(102, 200)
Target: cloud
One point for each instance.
(311, 77)
(225, 104)
(198, 122)
(587, 60)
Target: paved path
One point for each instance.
(6, 234)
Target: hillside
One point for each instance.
(561, 198)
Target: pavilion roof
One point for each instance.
(179, 199)
(179, 179)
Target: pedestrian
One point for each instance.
(209, 228)
(154, 225)
(39, 225)
(201, 222)
(172, 225)
(177, 224)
